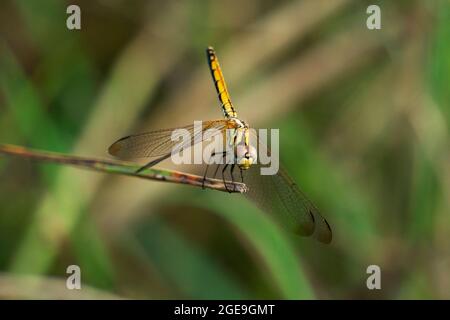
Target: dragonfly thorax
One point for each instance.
(239, 123)
(245, 154)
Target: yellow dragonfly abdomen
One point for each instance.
(220, 85)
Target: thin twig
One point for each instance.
(123, 168)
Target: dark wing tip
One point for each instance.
(306, 229)
(325, 236)
(312, 216)
(116, 147)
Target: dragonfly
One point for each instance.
(277, 194)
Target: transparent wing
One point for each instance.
(159, 143)
(280, 196)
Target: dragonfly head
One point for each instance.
(245, 156)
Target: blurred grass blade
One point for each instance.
(193, 272)
(267, 239)
(131, 81)
(33, 287)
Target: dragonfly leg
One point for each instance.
(223, 177)
(217, 170)
(207, 166)
(242, 176)
(232, 178)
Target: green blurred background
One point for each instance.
(364, 127)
